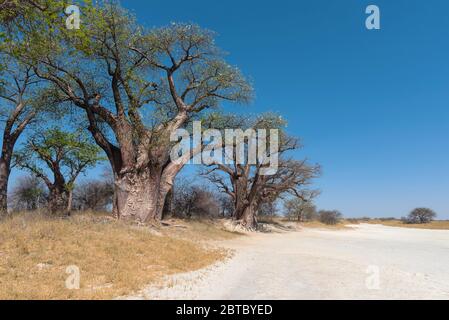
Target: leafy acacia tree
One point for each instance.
(66, 155)
(246, 182)
(135, 87)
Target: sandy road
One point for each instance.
(367, 262)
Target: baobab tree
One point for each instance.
(66, 155)
(135, 87)
(249, 189)
(246, 183)
(20, 101)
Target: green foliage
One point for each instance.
(66, 154)
(36, 28)
(110, 38)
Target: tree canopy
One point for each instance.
(65, 154)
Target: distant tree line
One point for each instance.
(30, 193)
(301, 210)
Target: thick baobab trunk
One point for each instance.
(245, 207)
(140, 196)
(245, 214)
(248, 218)
(240, 198)
(4, 177)
(57, 201)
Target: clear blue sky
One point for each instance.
(372, 107)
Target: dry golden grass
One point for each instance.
(114, 258)
(435, 225)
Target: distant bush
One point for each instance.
(267, 209)
(387, 219)
(94, 195)
(29, 194)
(195, 201)
(300, 210)
(420, 216)
(330, 217)
(366, 219)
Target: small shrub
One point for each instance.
(330, 217)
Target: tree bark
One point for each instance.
(248, 218)
(141, 196)
(240, 197)
(4, 178)
(57, 202)
(69, 202)
(245, 204)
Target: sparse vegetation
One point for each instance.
(420, 216)
(95, 195)
(114, 258)
(194, 201)
(329, 217)
(435, 225)
(300, 210)
(29, 194)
